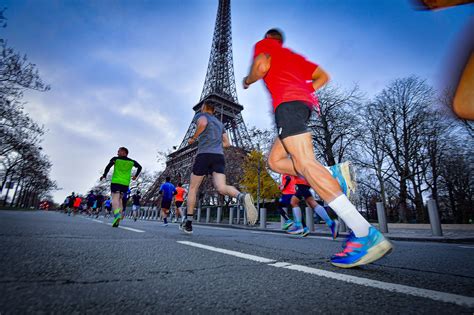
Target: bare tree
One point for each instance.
(20, 137)
(403, 106)
(457, 184)
(372, 156)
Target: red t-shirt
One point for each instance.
(289, 77)
(290, 189)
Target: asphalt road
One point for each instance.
(52, 263)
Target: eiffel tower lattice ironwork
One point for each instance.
(219, 88)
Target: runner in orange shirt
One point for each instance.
(178, 201)
(77, 204)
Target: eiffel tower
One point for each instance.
(219, 87)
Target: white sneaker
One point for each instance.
(250, 210)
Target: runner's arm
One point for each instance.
(201, 125)
(139, 169)
(319, 78)
(225, 140)
(108, 167)
(260, 66)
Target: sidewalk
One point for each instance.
(452, 233)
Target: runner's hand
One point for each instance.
(245, 84)
(191, 141)
(134, 178)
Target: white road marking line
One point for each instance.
(470, 247)
(131, 229)
(387, 286)
(128, 228)
(392, 287)
(217, 228)
(228, 252)
(98, 221)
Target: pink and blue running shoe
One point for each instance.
(359, 251)
(295, 229)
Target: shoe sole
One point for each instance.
(184, 230)
(349, 177)
(295, 232)
(375, 253)
(303, 234)
(250, 210)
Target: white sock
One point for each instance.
(297, 214)
(349, 214)
(323, 214)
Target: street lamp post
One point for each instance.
(259, 169)
(258, 185)
(258, 178)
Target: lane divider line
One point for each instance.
(470, 247)
(128, 228)
(228, 252)
(387, 286)
(120, 227)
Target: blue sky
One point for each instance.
(129, 72)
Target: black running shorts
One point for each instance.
(291, 118)
(166, 203)
(302, 191)
(118, 188)
(178, 204)
(208, 163)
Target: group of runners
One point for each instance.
(293, 190)
(93, 204)
(291, 81)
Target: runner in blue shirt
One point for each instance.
(168, 191)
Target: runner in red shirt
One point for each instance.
(291, 81)
(297, 226)
(303, 193)
(287, 188)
